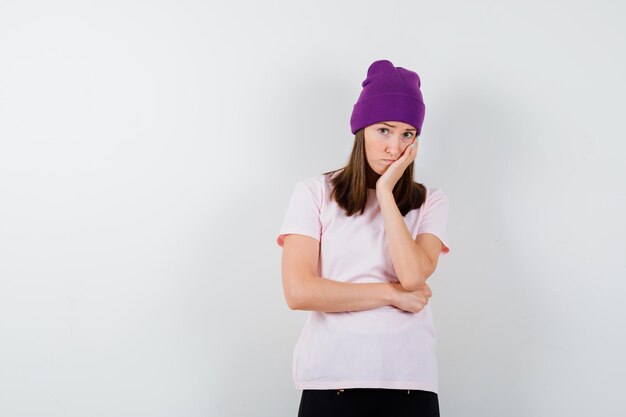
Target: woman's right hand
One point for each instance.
(411, 301)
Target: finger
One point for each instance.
(410, 147)
(408, 153)
(412, 152)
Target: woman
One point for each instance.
(359, 244)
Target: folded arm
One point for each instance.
(305, 290)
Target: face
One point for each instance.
(385, 142)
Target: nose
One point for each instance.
(394, 146)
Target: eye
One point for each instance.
(410, 135)
(383, 128)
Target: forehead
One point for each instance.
(396, 124)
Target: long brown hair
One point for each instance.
(349, 187)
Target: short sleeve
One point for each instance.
(303, 213)
(434, 220)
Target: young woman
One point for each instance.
(358, 245)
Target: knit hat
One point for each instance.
(389, 93)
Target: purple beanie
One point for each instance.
(389, 93)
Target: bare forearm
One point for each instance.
(409, 260)
(323, 294)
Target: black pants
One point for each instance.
(368, 402)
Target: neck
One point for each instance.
(371, 177)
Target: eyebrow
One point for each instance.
(394, 126)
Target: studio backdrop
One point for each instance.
(148, 151)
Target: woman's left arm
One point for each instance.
(412, 263)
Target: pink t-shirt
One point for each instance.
(384, 347)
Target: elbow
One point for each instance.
(297, 289)
(414, 282)
(291, 300)
(414, 285)
(293, 305)
(294, 291)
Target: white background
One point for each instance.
(148, 151)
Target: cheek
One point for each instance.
(374, 149)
